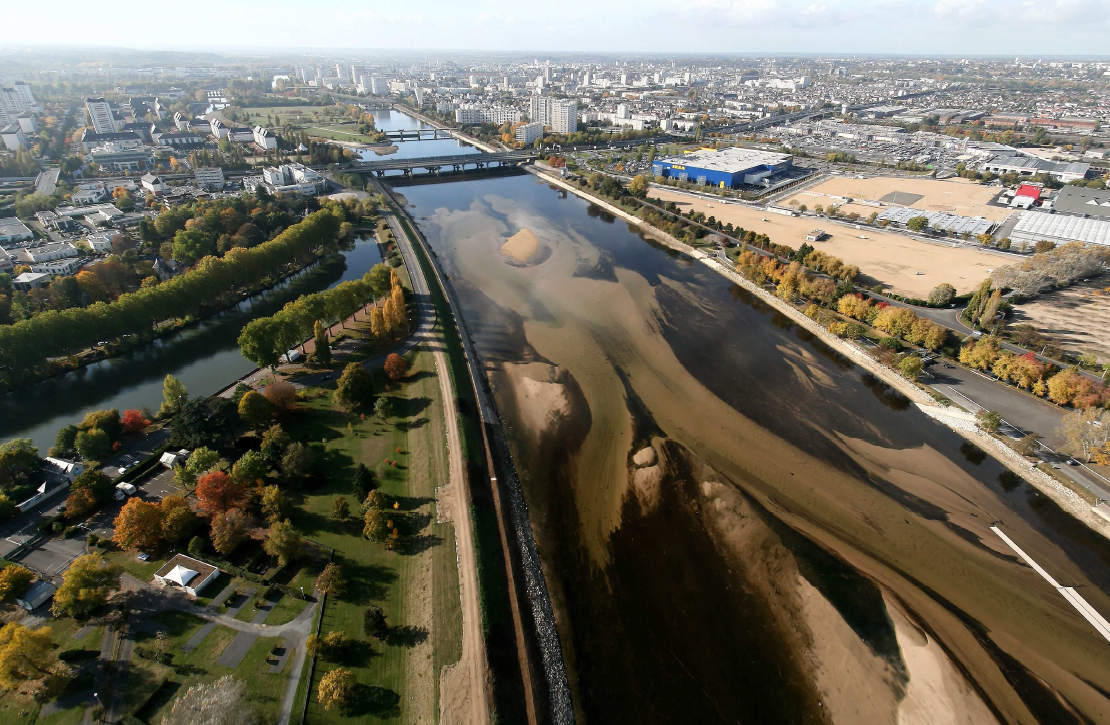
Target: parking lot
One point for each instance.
(50, 557)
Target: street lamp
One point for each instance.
(302, 592)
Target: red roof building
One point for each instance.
(1030, 191)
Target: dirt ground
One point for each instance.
(955, 196)
(1076, 317)
(902, 264)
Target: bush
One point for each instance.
(197, 546)
(92, 539)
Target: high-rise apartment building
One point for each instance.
(100, 117)
(560, 115)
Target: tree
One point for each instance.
(251, 468)
(988, 420)
(355, 387)
(297, 461)
(331, 581)
(942, 294)
(223, 702)
(202, 460)
(274, 442)
(340, 508)
(93, 444)
(380, 280)
(14, 580)
(255, 410)
(275, 504)
(133, 421)
(96, 483)
(86, 585)
(280, 394)
(79, 504)
(283, 542)
(918, 223)
(217, 493)
(320, 339)
(261, 342)
(910, 366)
(376, 526)
(26, 657)
(229, 529)
(1087, 432)
(191, 245)
(210, 422)
(383, 408)
(337, 688)
(184, 478)
(139, 525)
(638, 186)
(178, 520)
(65, 442)
(197, 545)
(174, 395)
(19, 463)
(364, 482)
(1044, 246)
(395, 366)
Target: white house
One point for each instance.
(264, 138)
(57, 267)
(67, 469)
(154, 184)
(172, 460)
(30, 280)
(187, 574)
(101, 242)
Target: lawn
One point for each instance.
(152, 687)
(416, 585)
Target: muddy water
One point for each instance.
(738, 524)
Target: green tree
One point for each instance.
(380, 280)
(376, 524)
(251, 468)
(93, 444)
(297, 460)
(283, 542)
(942, 294)
(86, 585)
(96, 483)
(364, 482)
(19, 464)
(355, 387)
(191, 245)
(255, 411)
(989, 420)
(331, 580)
(174, 395)
(211, 422)
(323, 347)
(202, 460)
(910, 366)
(917, 224)
(340, 508)
(275, 504)
(383, 409)
(261, 342)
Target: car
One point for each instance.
(123, 469)
(326, 376)
(1073, 462)
(143, 556)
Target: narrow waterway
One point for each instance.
(737, 523)
(204, 356)
(393, 120)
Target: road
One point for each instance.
(1021, 412)
(471, 704)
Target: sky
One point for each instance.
(665, 27)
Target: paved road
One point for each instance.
(1025, 413)
(472, 665)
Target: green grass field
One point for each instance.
(416, 585)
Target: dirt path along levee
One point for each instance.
(464, 696)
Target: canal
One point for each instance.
(204, 356)
(737, 523)
(394, 120)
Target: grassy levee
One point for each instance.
(497, 619)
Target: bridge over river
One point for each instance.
(435, 164)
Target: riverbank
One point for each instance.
(1044, 483)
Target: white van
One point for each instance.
(123, 490)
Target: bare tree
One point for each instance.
(1087, 432)
(222, 702)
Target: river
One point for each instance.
(205, 357)
(393, 120)
(737, 523)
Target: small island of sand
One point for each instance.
(522, 246)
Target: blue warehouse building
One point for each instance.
(727, 168)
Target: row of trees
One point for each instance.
(899, 322)
(1055, 267)
(1063, 387)
(29, 342)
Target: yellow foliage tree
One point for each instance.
(336, 688)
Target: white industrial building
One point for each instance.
(13, 230)
(286, 179)
(1036, 226)
(938, 220)
(1029, 166)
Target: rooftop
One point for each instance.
(1060, 227)
(730, 160)
(1081, 200)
